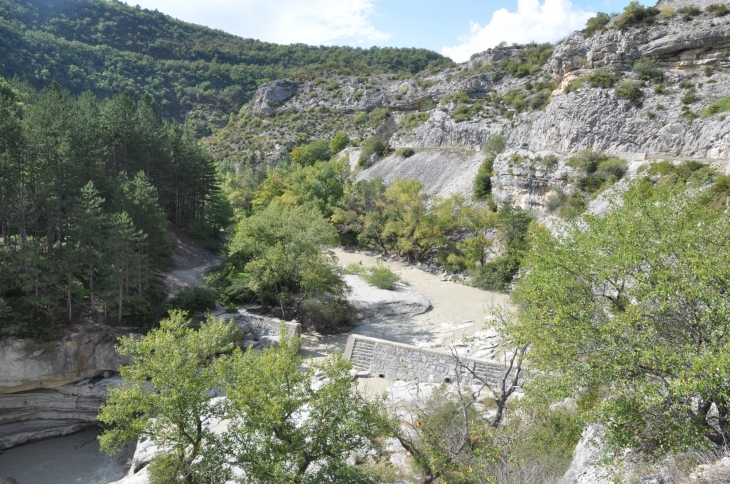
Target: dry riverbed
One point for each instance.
(457, 311)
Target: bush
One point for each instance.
(596, 23)
(718, 107)
(339, 142)
(381, 277)
(647, 68)
(599, 170)
(483, 180)
(193, 299)
(630, 90)
(666, 12)
(602, 78)
(413, 120)
(405, 152)
(689, 12)
(327, 314)
(370, 146)
(493, 276)
(574, 86)
(555, 200)
(636, 14)
(690, 96)
(311, 153)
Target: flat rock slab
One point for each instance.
(372, 302)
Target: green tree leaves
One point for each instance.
(635, 300)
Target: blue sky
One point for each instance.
(457, 28)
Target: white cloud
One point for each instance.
(316, 22)
(533, 21)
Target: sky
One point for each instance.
(455, 28)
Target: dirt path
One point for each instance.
(458, 311)
(189, 261)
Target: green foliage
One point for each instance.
(636, 14)
(599, 171)
(275, 413)
(690, 97)
(327, 314)
(648, 69)
(483, 181)
(166, 397)
(717, 107)
(516, 99)
(596, 24)
(88, 191)
(527, 60)
(630, 90)
(281, 252)
(311, 153)
(574, 86)
(110, 47)
(381, 277)
(371, 146)
(621, 285)
(413, 120)
(405, 152)
(339, 142)
(689, 12)
(289, 430)
(193, 299)
(718, 10)
(601, 77)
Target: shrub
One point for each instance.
(414, 120)
(647, 68)
(689, 12)
(193, 299)
(599, 170)
(717, 107)
(377, 116)
(596, 23)
(339, 142)
(361, 117)
(539, 100)
(555, 200)
(311, 153)
(602, 78)
(483, 180)
(689, 97)
(666, 12)
(405, 152)
(574, 86)
(636, 14)
(370, 146)
(721, 11)
(327, 314)
(493, 276)
(381, 277)
(630, 90)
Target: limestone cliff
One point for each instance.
(550, 103)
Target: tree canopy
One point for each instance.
(635, 303)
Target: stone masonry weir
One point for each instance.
(397, 361)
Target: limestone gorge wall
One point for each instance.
(657, 126)
(54, 389)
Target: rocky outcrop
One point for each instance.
(443, 172)
(54, 389)
(270, 95)
(79, 356)
(39, 414)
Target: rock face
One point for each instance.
(79, 356)
(270, 96)
(586, 467)
(443, 172)
(49, 392)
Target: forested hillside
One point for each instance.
(108, 47)
(88, 190)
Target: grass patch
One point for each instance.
(718, 107)
(381, 277)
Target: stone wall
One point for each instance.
(396, 361)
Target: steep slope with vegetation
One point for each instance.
(109, 47)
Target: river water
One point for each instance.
(73, 459)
